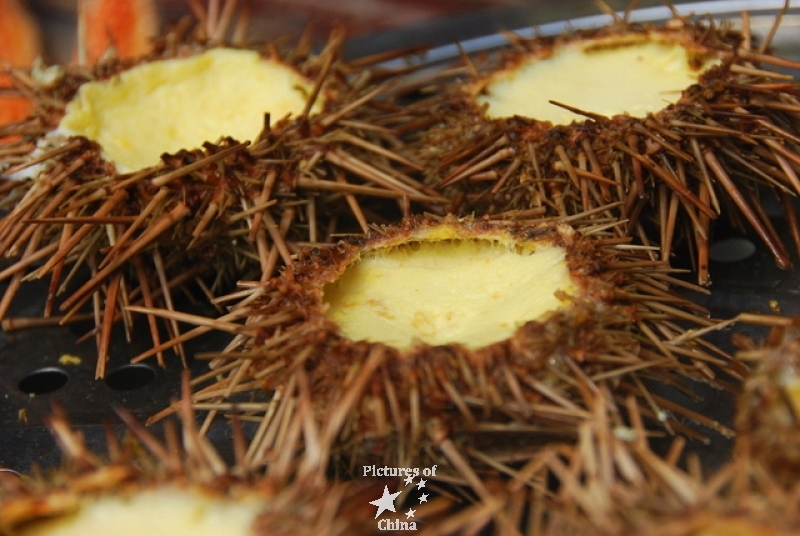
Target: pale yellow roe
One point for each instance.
(165, 106)
(157, 512)
(607, 77)
(790, 383)
(472, 292)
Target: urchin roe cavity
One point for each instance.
(165, 106)
(472, 292)
(612, 76)
(165, 511)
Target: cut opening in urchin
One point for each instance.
(436, 291)
(634, 75)
(165, 106)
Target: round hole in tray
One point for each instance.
(732, 250)
(9, 476)
(130, 377)
(43, 381)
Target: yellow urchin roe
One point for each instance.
(164, 511)
(169, 105)
(472, 292)
(612, 76)
(790, 383)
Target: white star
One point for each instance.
(422, 498)
(409, 479)
(421, 484)
(386, 502)
(410, 513)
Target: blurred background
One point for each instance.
(373, 25)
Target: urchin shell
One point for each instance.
(729, 141)
(370, 401)
(208, 215)
(187, 469)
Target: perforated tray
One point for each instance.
(32, 378)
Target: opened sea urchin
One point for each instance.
(149, 486)
(180, 170)
(471, 329)
(681, 123)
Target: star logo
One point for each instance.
(422, 499)
(386, 502)
(421, 484)
(409, 480)
(410, 513)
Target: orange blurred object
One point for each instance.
(127, 26)
(20, 44)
